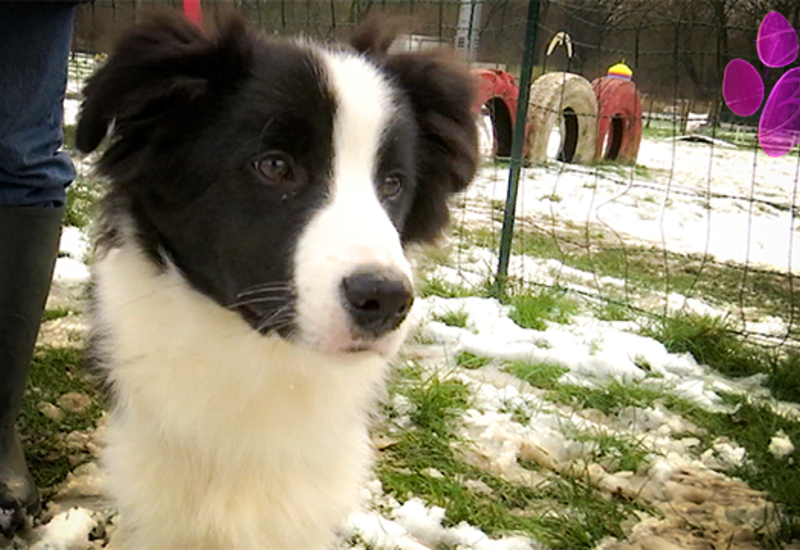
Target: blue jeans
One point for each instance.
(34, 50)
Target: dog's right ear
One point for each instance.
(161, 72)
(375, 34)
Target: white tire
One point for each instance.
(567, 102)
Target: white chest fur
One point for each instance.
(221, 437)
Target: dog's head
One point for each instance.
(282, 178)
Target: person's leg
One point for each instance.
(28, 247)
(34, 50)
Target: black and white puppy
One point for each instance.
(250, 282)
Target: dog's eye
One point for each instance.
(275, 168)
(390, 186)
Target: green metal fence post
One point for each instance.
(528, 61)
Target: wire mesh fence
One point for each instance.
(668, 209)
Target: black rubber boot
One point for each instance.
(29, 240)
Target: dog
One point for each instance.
(251, 282)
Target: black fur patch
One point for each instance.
(193, 111)
(440, 92)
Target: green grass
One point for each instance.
(541, 375)
(638, 171)
(614, 396)
(497, 205)
(483, 236)
(82, 197)
(614, 310)
(659, 131)
(437, 403)
(453, 318)
(520, 415)
(54, 372)
(69, 136)
(433, 255)
(562, 513)
(746, 140)
(552, 197)
(579, 516)
(710, 342)
(616, 453)
(471, 361)
(784, 376)
(434, 286)
(648, 269)
(533, 310)
(51, 314)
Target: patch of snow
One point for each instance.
(561, 439)
(694, 199)
(485, 134)
(74, 243)
(416, 525)
(6, 517)
(69, 271)
(594, 351)
(475, 264)
(71, 109)
(66, 531)
(780, 445)
(71, 268)
(697, 392)
(379, 532)
(724, 455)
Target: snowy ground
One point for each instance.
(676, 479)
(687, 197)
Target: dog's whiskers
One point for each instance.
(266, 287)
(263, 293)
(273, 323)
(257, 300)
(278, 319)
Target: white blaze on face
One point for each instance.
(352, 230)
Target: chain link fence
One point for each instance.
(693, 218)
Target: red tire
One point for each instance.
(498, 93)
(619, 123)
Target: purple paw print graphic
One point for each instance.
(743, 89)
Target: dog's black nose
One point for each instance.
(377, 299)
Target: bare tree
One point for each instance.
(757, 9)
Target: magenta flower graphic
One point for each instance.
(743, 89)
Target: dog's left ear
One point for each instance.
(441, 91)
